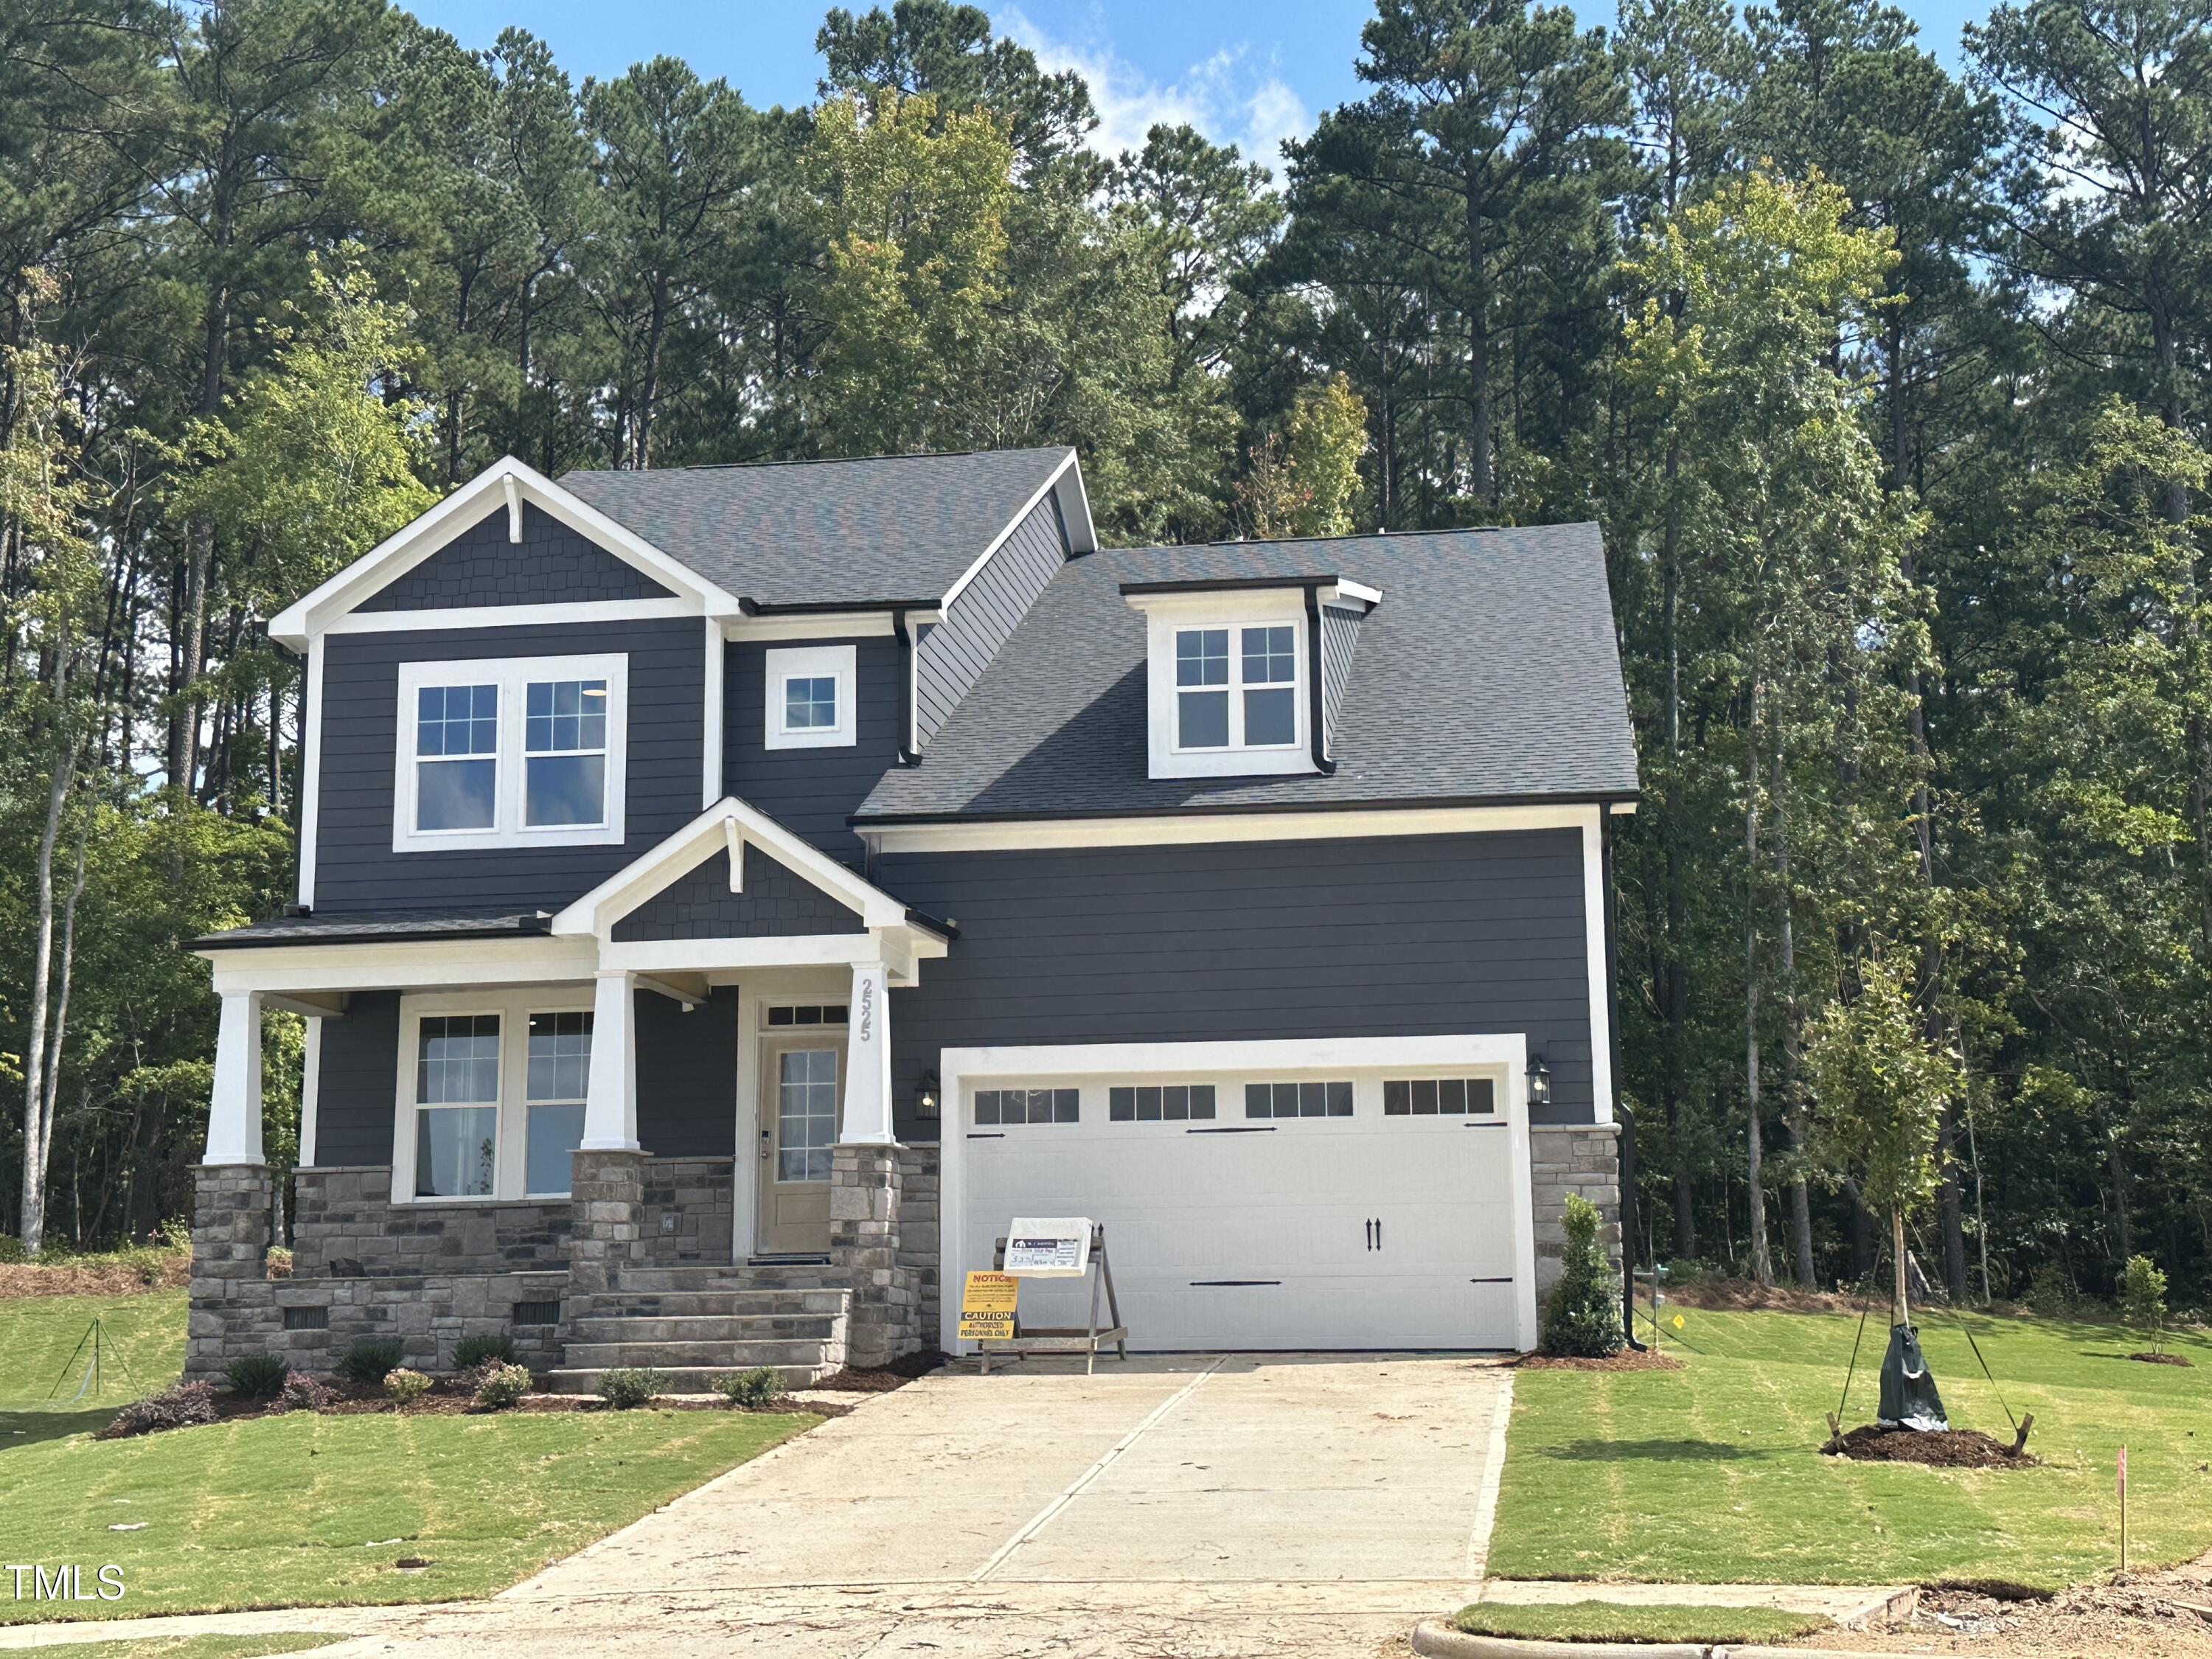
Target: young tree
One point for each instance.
(2142, 1299)
(1880, 1089)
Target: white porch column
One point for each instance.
(234, 1106)
(867, 1118)
(611, 1092)
(311, 1091)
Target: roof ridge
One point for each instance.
(811, 460)
(1339, 541)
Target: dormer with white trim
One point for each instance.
(1239, 676)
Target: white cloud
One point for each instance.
(1230, 97)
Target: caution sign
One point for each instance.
(986, 1304)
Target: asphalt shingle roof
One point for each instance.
(1489, 672)
(361, 926)
(826, 532)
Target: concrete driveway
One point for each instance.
(1275, 1505)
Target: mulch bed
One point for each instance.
(91, 1279)
(447, 1397)
(1945, 1448)
(2161, 1359)
(882, 1379)
(1651, 1359)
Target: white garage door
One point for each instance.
(1350, 1209)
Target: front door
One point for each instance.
(803, 1082)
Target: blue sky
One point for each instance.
(1248, 71)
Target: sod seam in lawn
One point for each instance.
(1713, 1474)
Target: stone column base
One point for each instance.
(865, 1184)
(1572, 1157)
(606, 1198)
(234, 1306)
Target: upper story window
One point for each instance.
(510, 752)
(1228, 675)
(810, 691)
(1256, 671)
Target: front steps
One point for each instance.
(694, 1324)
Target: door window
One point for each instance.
(806, 1112)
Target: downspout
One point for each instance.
(1622, 1114)
(908, 755)
(1316, 707)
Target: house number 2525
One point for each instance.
(867, 1010)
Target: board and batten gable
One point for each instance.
(551, 565)
(811, 792)
(355, 867)
(1404, 936)
(952, 654)
(686, 1078)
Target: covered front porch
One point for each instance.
(647, 1129)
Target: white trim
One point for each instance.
(311, 775)
(1601, 1022)
(510, 1159)
(699, 956)
(300, 622)
(838, 664)
(960, 1068)
(401, 965)
(1039, 834)
(598, 911)
(1167, 616)
(733, 842)
(710, 769)
(1371, 597)
(1013, 524)
(819, 625)
(566, 613)
(865, 1119)
(1082, 533)
(310, 1089)
(514, 492)
(513, 676)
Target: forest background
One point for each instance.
(1887, 384)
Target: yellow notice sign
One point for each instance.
(986, 1304)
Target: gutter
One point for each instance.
(1316, 693)
(1621, 1112)
(1380, 804)
(828, 607)
(909, 753)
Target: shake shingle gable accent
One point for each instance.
(481, 567)
(774, 903)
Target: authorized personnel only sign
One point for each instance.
(1056, 1248)
(986, 1304)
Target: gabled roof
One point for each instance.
(731, 824)
(881, 530)
(1488, 673)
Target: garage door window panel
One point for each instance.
(1164, 1103)
(1301, 1099)
(1004, 1107)
(1471, 1096)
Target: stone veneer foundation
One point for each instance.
(428, 1275)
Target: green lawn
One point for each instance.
(312, 1511)
(199, 1647)
(1712, 1474)
(1613, 1621)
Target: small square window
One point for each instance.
(810, 696)
(810, 703)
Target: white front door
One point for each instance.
(1340, 1226)
(802, 1081)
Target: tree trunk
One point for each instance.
(1675, 987)
(1899, 1301)
(36, 1135)
(1952, 1205)
(1762, 1267)
(1478, 350)
(1793, 1104)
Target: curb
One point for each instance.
(1438, 1641)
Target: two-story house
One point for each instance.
(729, 896)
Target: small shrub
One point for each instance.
(302, 1393)
(403, 1386)
(146, 1261)
(2142, 1299)
(174, 1237)
(754, 1388)
(1684, 1271)
(472, 1352)
(257, 1375)
(1582, 1318)
(12, 1252)
(173, 1409)
(500, 1387)
(2052, 1293)
(279, 1262)
(368, 1360)
(626, 1386)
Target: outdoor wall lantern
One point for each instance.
(1539, 1081)
(925, 1096)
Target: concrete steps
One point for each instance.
(728, 1303)
(694, 1324)
(674, 1379)
(744, 1329)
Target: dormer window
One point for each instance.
(1237, 688)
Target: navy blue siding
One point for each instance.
(359, 1084)
(776, 904)
(687, 1076)
(812, 792)
(1339, 638)
(954, 653)
(1407, 937)
(355, 868)
(551, 565)
(686, 1084)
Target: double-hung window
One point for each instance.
(510, 752)
(1237, 688)
(491, 1096)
